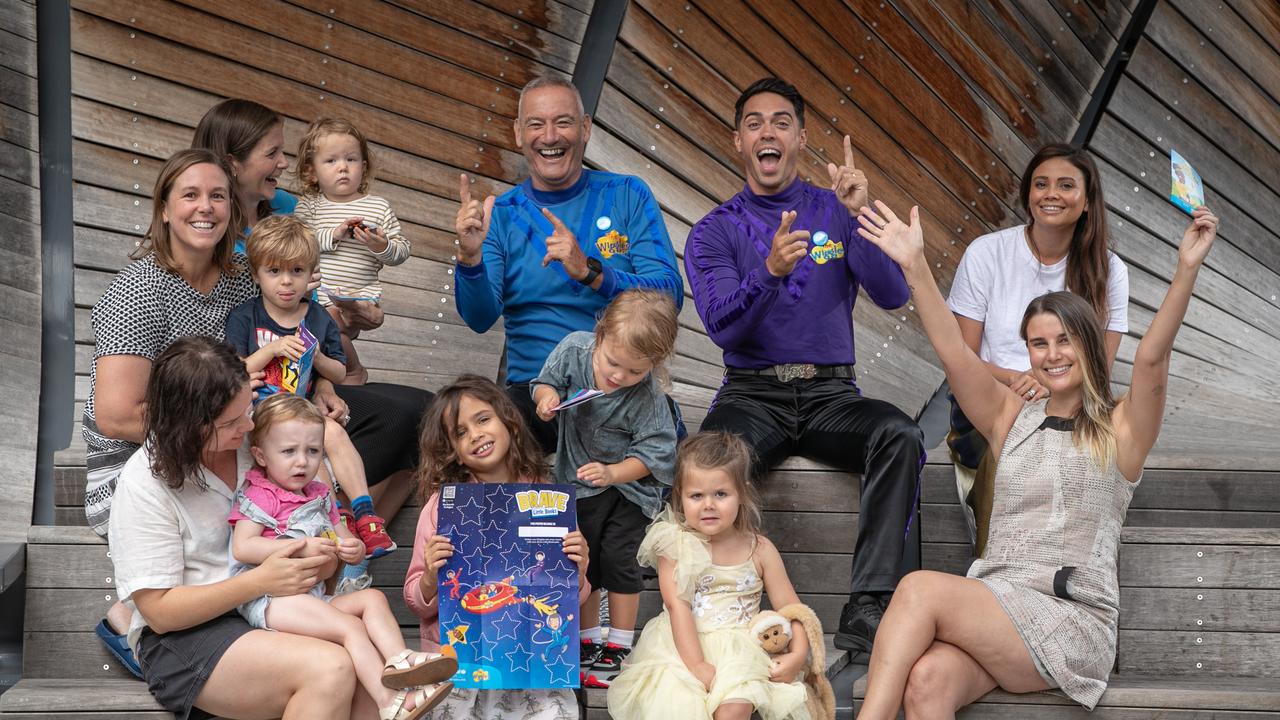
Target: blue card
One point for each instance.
(509, 595)
(1187, 191)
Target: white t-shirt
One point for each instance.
(998, 277)
(163, 538)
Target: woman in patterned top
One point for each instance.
(184, 280)
(1039, 609)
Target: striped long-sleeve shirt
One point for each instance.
(348, 264)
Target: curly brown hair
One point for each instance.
(439, 463)
(190, 386)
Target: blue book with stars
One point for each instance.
(509, 595)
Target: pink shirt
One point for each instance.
(429, 627)
(276, 501)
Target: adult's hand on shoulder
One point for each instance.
(902, 242)
(788, 247)
(360, 315)
(562, 247)
(472, 224)
(847, 182)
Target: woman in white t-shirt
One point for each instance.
(169, 542)
(1065, 245)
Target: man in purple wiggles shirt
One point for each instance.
(774, 273)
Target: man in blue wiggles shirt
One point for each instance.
(548, 254)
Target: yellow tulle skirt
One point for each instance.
(656, 685)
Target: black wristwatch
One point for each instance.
(594, 268)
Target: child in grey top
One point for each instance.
(618, 449)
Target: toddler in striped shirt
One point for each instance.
(358, 233)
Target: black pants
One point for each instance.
(546, 433)
(384, 426)
(829, 421)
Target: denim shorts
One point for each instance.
(176, 665)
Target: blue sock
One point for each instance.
(355, 571)
(362, 506)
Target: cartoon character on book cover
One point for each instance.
(291, 376)
(509, 594)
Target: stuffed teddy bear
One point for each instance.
(773, 631)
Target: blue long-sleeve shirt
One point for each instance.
(615, 219)
(806, 317)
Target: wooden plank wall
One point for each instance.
(1205, 80)
(20, 300)
(946, 100)
(433, 85)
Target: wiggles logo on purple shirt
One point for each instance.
(824, 249)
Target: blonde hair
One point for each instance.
(710, 450)
(1093, 427)
(281, 240)
(305, 173)
(281, 408)
(645, 323)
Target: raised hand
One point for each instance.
(435, 554)
(788, 247)
(847, 182)
(472, 224)
(1198, 238)
(903, 243)
(562, 247)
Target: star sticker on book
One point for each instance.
(484, 649)
(471, 511)
(562, 671)
(499, 499)
(494, 536)
(519, 658)
(516, 560)
(476, 563)
(506, 627)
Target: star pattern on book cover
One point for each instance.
(500, 499)
(519, 658)
(494, 536)
(561, 670)
(476, 562)
(506, 627)
(471, 511)
(516, 560)
(560, 574)
(484, 648)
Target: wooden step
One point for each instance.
(1130, 697)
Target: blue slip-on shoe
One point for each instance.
(119, 646)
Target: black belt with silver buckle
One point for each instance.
(796, 371)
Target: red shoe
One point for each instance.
(372, 531)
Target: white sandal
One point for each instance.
(400, 672)
(426, 699)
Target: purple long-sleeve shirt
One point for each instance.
(806, 317)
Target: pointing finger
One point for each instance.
(848, 153)
(555, 221)
(464, 188)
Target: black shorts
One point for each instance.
(613, 527)
(176, 665)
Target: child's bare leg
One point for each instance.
(730, 710)
(589, 616)
(623, 608)
(348, 468)
(371, 606)
(310, 616)
(356, 372)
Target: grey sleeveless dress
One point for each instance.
(1051, 555)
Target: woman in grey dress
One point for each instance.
(1039, 609)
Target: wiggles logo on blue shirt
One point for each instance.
(824, 249)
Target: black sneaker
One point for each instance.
(607, 666)
(588, 653)
(858, 624)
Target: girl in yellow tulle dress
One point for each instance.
(698, 659)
